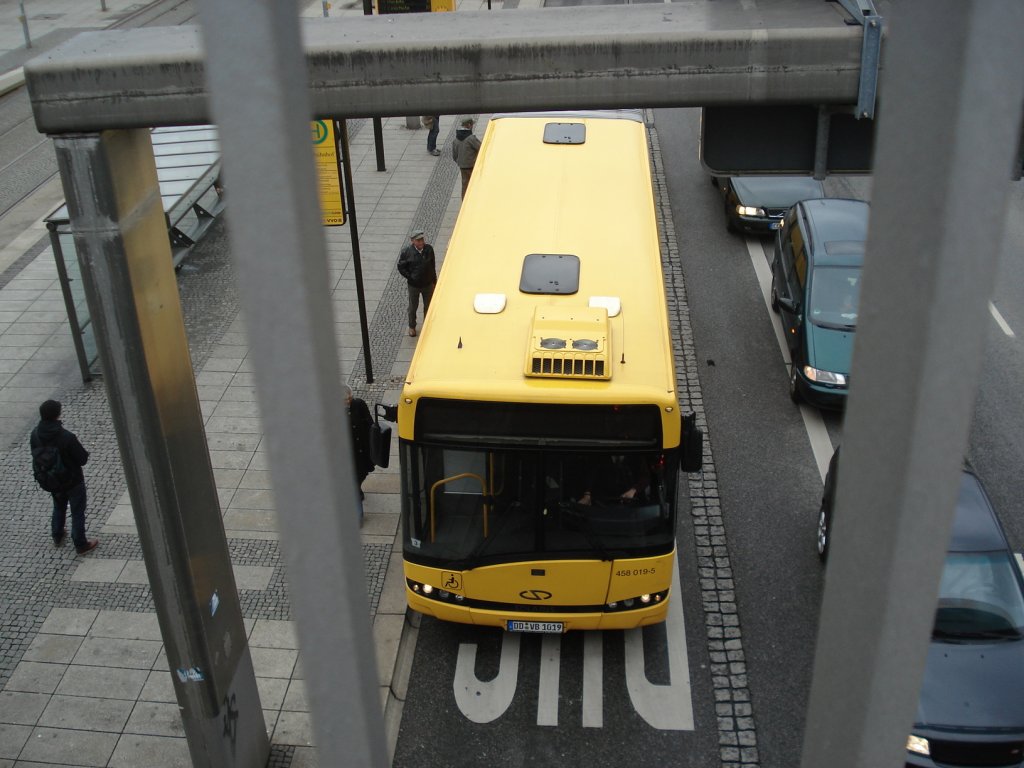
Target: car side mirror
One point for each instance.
(790, 305)
(691, 444)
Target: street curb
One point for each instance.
(400, 681)
(11, 81)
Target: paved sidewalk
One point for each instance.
(83, 678)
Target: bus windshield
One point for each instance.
(466, 508)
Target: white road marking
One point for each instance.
(547, 693)
(1000, 321)
(821, 444)
(665, 707)
(1020, 561)
(485, 702)
(593, 680)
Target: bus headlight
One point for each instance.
(427, 589)
(640, 601)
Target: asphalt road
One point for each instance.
(769, 477)
(769, 482)
(770, 485)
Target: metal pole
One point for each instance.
(281, 268)
(125, 256)
(357, 262)
(378, 143)
(24, 23)
(821, 143)
(953, 86)
(103, 5)
(378, 128)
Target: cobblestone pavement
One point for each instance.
(737, 734)
(36, 579)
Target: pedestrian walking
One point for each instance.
(416, 265)
(464, 150)
(359, 421)
(433, 122)
(57, 461)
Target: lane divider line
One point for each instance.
(817, 434)
(1000, 321)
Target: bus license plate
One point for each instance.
(554, 627)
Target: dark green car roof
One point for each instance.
(836, 229)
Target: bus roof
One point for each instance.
(592, 200)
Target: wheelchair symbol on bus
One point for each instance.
(452, 582)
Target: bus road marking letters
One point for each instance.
(666, 707)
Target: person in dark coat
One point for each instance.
(50, 431)
(464, 151)
(416, 265)
(360, 421)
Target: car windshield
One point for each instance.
(979, 598)
(835, 295)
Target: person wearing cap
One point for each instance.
(464, 151)
(416, 265)
(50, 432)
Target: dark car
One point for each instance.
(816, 275)
(970, 711)
(756, 204)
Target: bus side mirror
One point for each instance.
(380, 434)
(691, 444)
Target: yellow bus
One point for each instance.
(540, 432)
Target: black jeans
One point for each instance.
(435, 128)
(74, 496)
(427, 293)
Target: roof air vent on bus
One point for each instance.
(553, 343)
(612, 303)
(489, 303)
(555, 274)
(565, 133)
(569, 343)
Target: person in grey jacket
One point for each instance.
(464, 151)
(416, 265)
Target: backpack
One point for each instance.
(50, 471)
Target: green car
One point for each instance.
(816, 274)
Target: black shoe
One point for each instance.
(58, 541)
(90, 545)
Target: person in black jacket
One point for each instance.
(360, 421)
(416, 265)
(50, 431)
(465, 148)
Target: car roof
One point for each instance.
(837, 229)
(776, 190)
(975, 525)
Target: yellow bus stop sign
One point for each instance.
(325, 151)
